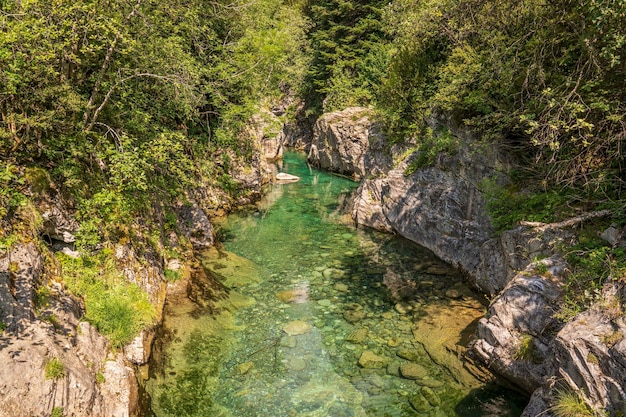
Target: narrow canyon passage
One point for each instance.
(301, 314)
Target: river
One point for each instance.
(299, 313)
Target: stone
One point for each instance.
(419, 403)
(288, 342)
(394, 368)
(612, 235)
(297, 327)
(296, 296)
(324, 303)
(412, 370)
(340, 287)
(453, 294)
(354, 316)
(402, 308)
(370, 360)
(431, 396)
(296, 364)
(284, 178)
(409, 354)
(244, 368)
(394, 342)
(358, 336)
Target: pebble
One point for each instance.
(244, 368)
(370, 360)
(289, 342)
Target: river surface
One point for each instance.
(298, 313)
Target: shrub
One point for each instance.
(55, 369)
(57, 412)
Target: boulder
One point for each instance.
(284, 178)
(87, 379)
(195, 225)
(341, 139)
(513, 338)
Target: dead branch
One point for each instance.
(542, 227)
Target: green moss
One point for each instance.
(57, 412)
(430, 146)
(100, 378)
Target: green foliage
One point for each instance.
(55, 369)
(3, 327)
(11, 195)
(118, 309)
(349, 53)
(100, 379)
(57, 412)
(568, 403)
(430, 145)
(172, 275)
(593, 263)
(541, 78)
(126, 104)
(507, 206)
(527, 350)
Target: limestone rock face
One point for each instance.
(341, 139)
(88, 380)
(515, 336)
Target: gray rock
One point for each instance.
(195, 224)
(30, 343)
(525, 308)
(340, 140)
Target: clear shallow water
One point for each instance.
(301, 314)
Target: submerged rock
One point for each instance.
(297, 327)
(370, 360)
(412, 370)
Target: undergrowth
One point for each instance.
(118, 309)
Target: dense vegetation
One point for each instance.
(125, 107)
(544, 81)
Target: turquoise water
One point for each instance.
(301, 314)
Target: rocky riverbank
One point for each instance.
(50, 354)
(442, 207)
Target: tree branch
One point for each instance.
(105, 65)
(542, 227)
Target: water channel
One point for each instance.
(298, 313)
